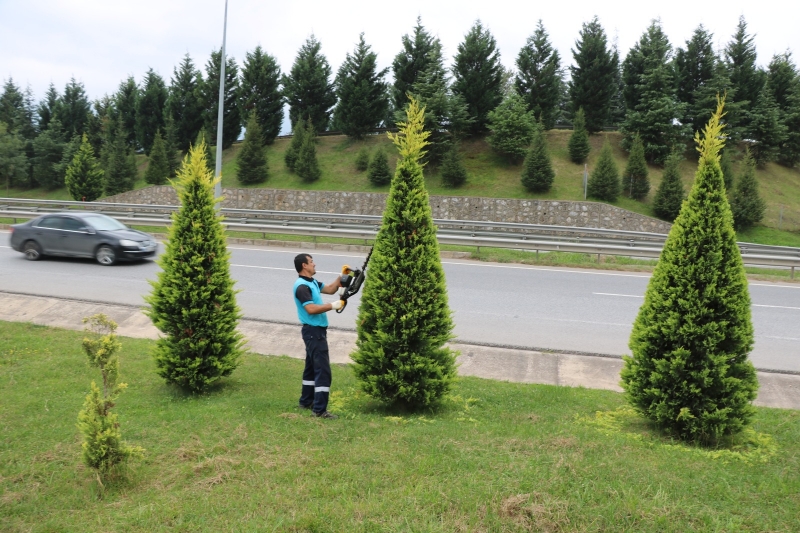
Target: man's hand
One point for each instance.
(338, 304)
(346, 269)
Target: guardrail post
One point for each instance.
(791, 276)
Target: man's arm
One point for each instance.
(316, 309)
(331, 288)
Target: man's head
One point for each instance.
(304, 265)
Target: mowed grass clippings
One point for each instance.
(494, 457)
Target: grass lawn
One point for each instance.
(494, 457)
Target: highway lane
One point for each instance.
(555, 308)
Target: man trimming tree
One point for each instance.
(311, 312)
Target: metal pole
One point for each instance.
(585, 180)
(218, 173)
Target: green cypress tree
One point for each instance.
(537, 172)
(231, 112)
(689, 371)
(578, 145)
(747, 206)
(84, 179)
(592, 84)
(193, 302)
(298, 139)
(306, 165)
(540, 79)
(378, 171)
(726, 166)
(157, 165)
(604, 181)
(308, 87)
(404, 319)
(261, 78)
(635, 178)
(512, 128)
(251, 164)
(185, 104)
(453, 172)
(670, 193)
(362, 159)
(150, 109)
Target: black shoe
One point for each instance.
(326, 414)
(301, 406)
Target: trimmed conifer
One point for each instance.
(84, 179)
(362, 159)
(298, 138)
(157, 165)
(537, 172)
(378, 171)
(453, 172)
(670, 193)
(306, 164)
(689, 371)
(251, 164)
(193, 302)
(635, 179)
(747, 206)
(578, 145)
(604, 181)
(404, 320)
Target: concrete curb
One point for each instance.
(505, 364)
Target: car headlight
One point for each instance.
(128, 243)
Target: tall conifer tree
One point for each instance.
(592, 85)
(74, 108)
(261, 76)
(157, 165)
(48, 108)
(126, 101)
(308, 87)
(410, 63)
(766, 128)
(540, 78)
(150, 109)
(231, 112)
(745, 77)
(48, 150)
(185, 103)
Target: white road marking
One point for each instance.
(280, 268)
(779, 338)
(293, 252)
(773, 285)
(776, 306)
(613, 294)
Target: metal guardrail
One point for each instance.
(533, 237)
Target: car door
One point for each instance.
(48, 233)
(76, 239)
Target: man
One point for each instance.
(311, 312)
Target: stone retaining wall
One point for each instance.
(551, 212)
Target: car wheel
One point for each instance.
(105, 255)
(32, 251)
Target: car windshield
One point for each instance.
(104, 223)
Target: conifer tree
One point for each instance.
(592, 85)
(745, 77)
(12, 107)
(185, 103)
(231, 113)
(604, 181)
(400, 355)
(171, 145)
(298, 138)
(362, 159)
(695, 67)
(410, 63)
(782, 78)
(747, 206)
(48, 108)
(126, 101)
(74, 108)
(453, 172)
(578, 145)
(150, 109)
(689, 370)
(512, 128)
(13, 163)
(193, 302)
(308, 87)
(537, 172)
(766, 128)
(540, 79)
(306, 165)
(251, 164)
(210, 158)
(158, 170)
(48, 150)
(378, 171)
(84, 178)
(789, 154)
(635, 179)
(70, 149)
(120, 172)
(670, 193)
(261, 77)
(726, 166)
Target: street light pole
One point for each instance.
(218, 173)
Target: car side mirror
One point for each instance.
(90, 230)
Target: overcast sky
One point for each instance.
(101, 42)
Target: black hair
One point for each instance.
(300, 260)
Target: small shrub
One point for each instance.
(604, 181)
(453, 172)
(362, 159)
(670, 194)
(578, 145)
(378, 172)
(537, 172)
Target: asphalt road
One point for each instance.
(555, 308)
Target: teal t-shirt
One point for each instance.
(314, 287)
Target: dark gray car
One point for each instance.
(81, 234)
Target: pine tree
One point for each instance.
(362, 159)
(150, 109)
(308, 88)
(48, 108)
(306, 165)
(790, 151)
(13, 162)
(670, 193)
(120, 164)
(540, 79)
(537, 172)
(478, 76)
(378, 171)
(746, 205)
(400, 355)
(578, 145)
(512, 128)
(48, 150)
(126, 101)
(592, 86)
(689, 372)
(766, 128)
(635, 178)
(261, 77)
(158, 170)
(193, 302)
(363, 95)
(604, 181)
(453, 172)
(298, 138)
(410, 63)
(251, 164)
(12, 105)
(74, 108)
(185, 103)
(84, 179)
(695, 68)
(231, 113)
(745, 77)
(726, 166)
(782, 78)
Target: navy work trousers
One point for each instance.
(317, 373)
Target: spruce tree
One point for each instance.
(306, 165)
(48, 150)
(74, 108)
(578, 145)
(126, 101)
(695, 67)
(726, 166)
(231, 113)
(210, 158)
(12, 104)
(158, 170)
(251, 163)
(308, 87)
(193, 302)
(84, 178)
(185, 103)
(789, 154)
(512, 128)
(453, 172)
(48, 108)
(747, 206)
(120, 171)
(689, 370)
(150, 109)
(13, 162)
(635, 180)
(378, 171)
(298, 138)
(670, 193)
(540, 78)
(362, 159)
(70, 149)
(766, 128)
(537, 172)
(261, 77)
(171, 145)
(363, 95)
(593, 75)
(410, 63)
(604, 181)
(400, 356)
(745, 77)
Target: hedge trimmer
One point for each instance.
(352, 280)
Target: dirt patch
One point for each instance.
(536, 512)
